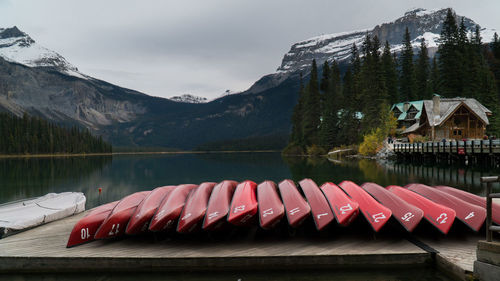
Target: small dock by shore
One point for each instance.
(43, 249)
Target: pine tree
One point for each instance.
(296, 136)
(407, 81)
(390, 74)
(434, 77)
(311, 119)
(422, 73)
(331, 108)
(449, 61)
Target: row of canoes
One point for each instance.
(209, 206)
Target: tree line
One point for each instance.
(336, 109)
(34, 135)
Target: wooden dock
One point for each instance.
(43, 249)
(469, 152)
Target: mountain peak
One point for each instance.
(421, 23)
(187, 98)
(17, 46)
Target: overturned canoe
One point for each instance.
(470, 214)
(114, 225)
(139, 221)
(244, 205)
(271, 209)
(375, 213)
(170, 208)
(320, 209)
(408, 215)
(25, 214)
(473, 199)
(436, 214)
(85, 229)
(296, 207)
(195, 208)
(344, 209)
(218, 205)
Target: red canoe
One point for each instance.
(438, 215)
(344, 209)
(374, 212)
(170, 208)
(84, 230)
(244, 205)
(195, 208)
(470, 214)
(114, 224)
(142, 216)
(218, 205)
(408, 215)
(473, 199)
(271, 209)
(297, 208)
(322, 213)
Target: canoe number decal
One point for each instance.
(345, 209)
(443, 217)
(246, 218)
(160, 215)
(213, 215)
(469, 215)
(294, 210)
(239, 209)
(186, 216)
(114, 229)
(267, 212)
(408, 216)
(85, 234)
(321, 215)
(378, 217)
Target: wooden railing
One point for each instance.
(456, 147)
(489, 200)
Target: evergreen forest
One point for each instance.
(33, 135)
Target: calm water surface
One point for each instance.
(121, 175)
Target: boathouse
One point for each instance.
(443, 118)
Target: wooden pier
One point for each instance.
(43, 249)
(470, 152)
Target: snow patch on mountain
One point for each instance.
(187, 98)
(16, 46)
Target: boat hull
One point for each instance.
(296, 207)
(170, 208)
(85, 229)
(195, 208)
(470, 214)
(408, 215)
(218, 205)
(271, 209)
(320, 209)
(244, 205)
(436, 214)
(344, 209)
(139, 221)
(375, 213)
(114, 225)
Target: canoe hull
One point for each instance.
(296, 207)
(271, 209)
(218, 205)
(320, 209)
(344, 209)
(195, 208)
(244, 205)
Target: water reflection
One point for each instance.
(121, 175)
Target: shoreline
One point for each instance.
(6, 156)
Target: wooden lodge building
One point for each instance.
(443, 118)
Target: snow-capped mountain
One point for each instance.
(421, 23)
(187, 98)
(17, 46)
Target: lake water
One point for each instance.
(121, 175)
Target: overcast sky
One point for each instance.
(167, 48)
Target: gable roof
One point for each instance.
(448, 106)
(418, 105)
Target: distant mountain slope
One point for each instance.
(41, 82)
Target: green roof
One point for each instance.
(419, 104)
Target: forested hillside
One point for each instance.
(33, 135)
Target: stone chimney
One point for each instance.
(406, 106)
(436, 103)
